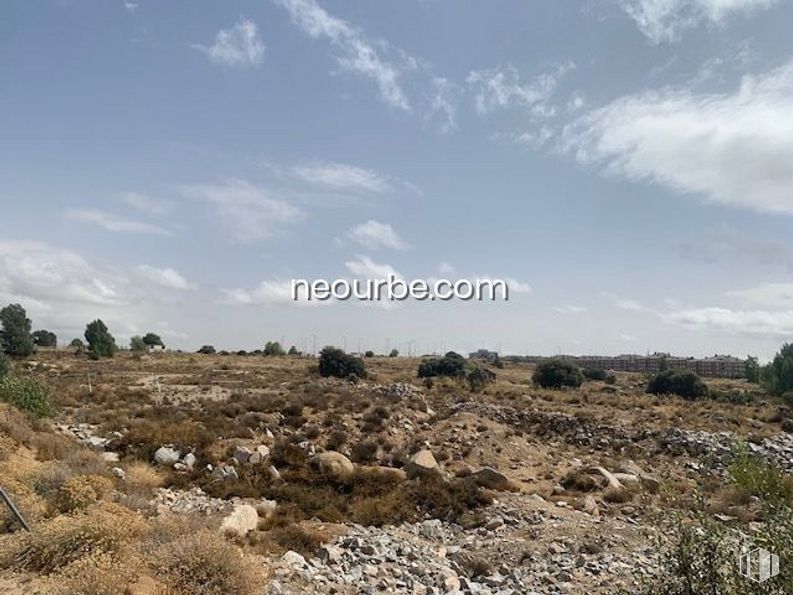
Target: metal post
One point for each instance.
(7, 499)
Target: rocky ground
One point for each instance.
(579, 480)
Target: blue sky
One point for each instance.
(625, 163)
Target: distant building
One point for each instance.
(484, 355)
(156, 348)
(717, 366)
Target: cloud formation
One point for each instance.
(341, 176)
(373, 234)
(115, 223)
(502, 88)
(730, 148)
(168, 278)
(357, 53)
(665, 20)
(237, 47)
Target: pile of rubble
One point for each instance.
(189, 501)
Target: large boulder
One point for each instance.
(166, 456)
(422, 463)
(491, 479)
(333, 464)
(240, 521)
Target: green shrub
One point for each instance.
(136, 344)
(479, 377)
(684, 383)
(778, 375)
(5, 365)
(100, 342)
(207, 350)
(369, 353)
(334, 362)
(594, 374)
(452, 365)
(273, 348)
(393, 353)
(557, 373)
(26, 394)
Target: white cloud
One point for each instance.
(570, 309)
(516, 286)
(358, 54)
(665, 20)
(445, 268)
(626, 337)
(748, 322)
(167, 277)
(247, 211)
(625, 303)
(443, 104)
(268, 292)
(114, 223)
(374, 234)
(731, 148)
(238, 46)
(501, 88)
(144, 203)
(343, 177)
(131, 7)
(365, 268)
(774, 295)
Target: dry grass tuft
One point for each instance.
(80, 491)
(99, 573)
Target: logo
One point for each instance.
(758, 564)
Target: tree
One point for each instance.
(594, 374)
(394, 353)
(100, 342)
(77, 345)
(684, 383)
(5, 365)
(273, 348)
(151, 340)
(137, 344)
(44, 338)
(15, 336)
(334, 362)
(452, 364)
(778, 374)
(207, 349)
(753, 370)
(557, 373)
(479, 377)
(293, 351)
(369, 353)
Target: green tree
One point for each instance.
(100, 342)
(137, 344)
(293, 351)
(207, 349)
(684, 383)
(15, 336)
(753, 370)
(557, 373)
(452, 364)
(779, 373)
(77, 345)
(44, 338)
(334, 362)
(394, 353)
(151, 340)
(369, 353)
(5, 365)
(273, 348)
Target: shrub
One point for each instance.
(369, 353)
(293, 351)
(67, 538)
(5, 365)
(99, 573)
(136, 344)
(26, 394)
(393, 353)
(557, 373)
(452, 365)
(334, 362)
(207, 350)
(297, 538)
(80, 491)
(100, 342)
(15, 338)
(203, 563)
(479, 377)
(753, 370)
(594, 374)
(153, 340)
(684, 383)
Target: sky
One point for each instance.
(627, 166)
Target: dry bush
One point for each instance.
(298, 538)
(203, 563)
(142, 478)
(579, 481)
(82, 461)
(7, 446)
(365, 451)
(99, 573)
(51, 446)
(14, 424)
(616, 495)
(58, 542)
(32, 506)
(80, 491)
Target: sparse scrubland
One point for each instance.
(209, 473)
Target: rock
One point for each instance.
(333, 464)
(166, 456)
(189, 460)
(294, 560)
(266, 508)
(242, 454)
(491, 479)
(110, 457)
(422, 463)
(119, 472)
(626, 478)
(330, 554)
(259, 455)
(241, 521)
(590, 506)
(385, 472)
